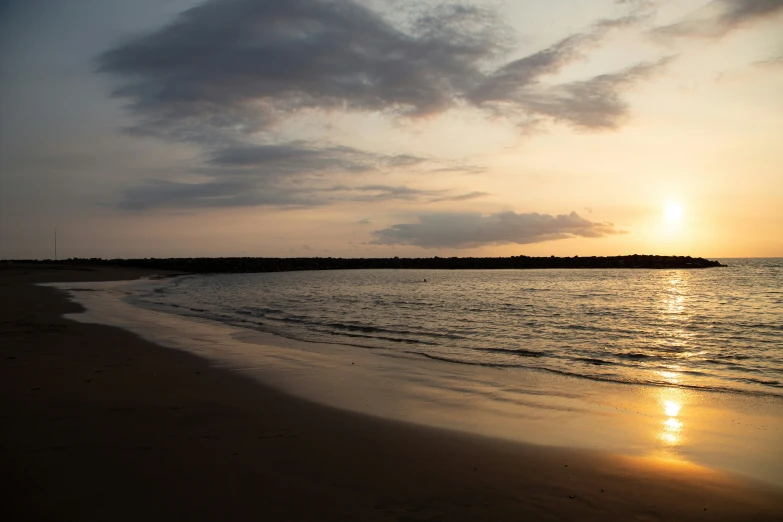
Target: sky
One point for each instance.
(379, 128)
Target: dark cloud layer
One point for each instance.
(211, 194)
(251, 192)
(231, 67)
(467, 230)
(301, 157)
(239, 64)
(289, 174)
(720, 17)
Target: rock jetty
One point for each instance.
(286, 264)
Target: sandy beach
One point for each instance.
(100, 424)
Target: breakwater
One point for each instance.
(288, 264)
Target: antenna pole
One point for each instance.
(55, 243)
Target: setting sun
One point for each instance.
(673, 214)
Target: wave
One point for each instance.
(636, 356)
(622, 335)
(519, 352)
(384, 338)
(597, 362)
(605, 378)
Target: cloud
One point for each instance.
(460, 168)
(236, 66)
(507, 84)
(403, 160)
(296, 159)
(286, 174)
(720, 17)
(466, 230)
(211, 194)
(225, 73)
(461, 197)
(590, 104)
(248, 192)
(257, 192)
(378, 193)
(227, 69)
(299, 157)
(770, 62)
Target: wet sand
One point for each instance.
(99, 424)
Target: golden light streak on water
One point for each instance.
(671, 401)
(672, 408)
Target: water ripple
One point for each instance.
(717, 329)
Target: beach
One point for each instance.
(102, 424)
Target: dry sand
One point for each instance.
(98, 424)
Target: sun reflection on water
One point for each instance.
(670, 377)
(673, 424)
(671, 401)
(671, 408)
(674, 313)
(677, 285)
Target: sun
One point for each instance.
(673, 214)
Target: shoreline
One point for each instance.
(103, 424)
(736, 433)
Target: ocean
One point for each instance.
(679, 365)
(717, 329)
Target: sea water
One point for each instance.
(714, 329)
(680, 365)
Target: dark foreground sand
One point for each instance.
(98, 424)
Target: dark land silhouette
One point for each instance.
(287, 264)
